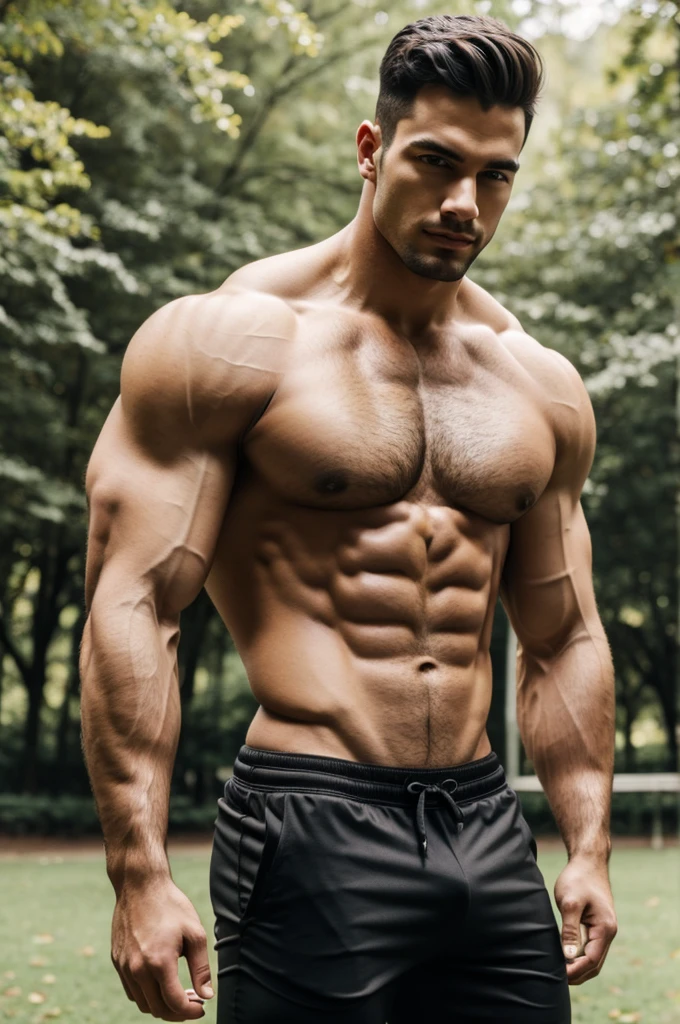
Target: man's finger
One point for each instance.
(128, 990)
(571, 910)
(196, 953)
(192, 1009)
(582, 970)
(590, 964)
(179, 1001)
(137, 994)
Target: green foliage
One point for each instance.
(72, 816)
(147, 151)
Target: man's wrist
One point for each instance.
(130, 869)
(593, 848)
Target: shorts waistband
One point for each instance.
(272, 769)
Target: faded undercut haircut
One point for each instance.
(472, 56)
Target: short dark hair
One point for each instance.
(472, 56)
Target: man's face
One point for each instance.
(449, 168)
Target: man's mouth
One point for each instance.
(452, 239)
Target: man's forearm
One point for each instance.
(131, 718)
(566, 716)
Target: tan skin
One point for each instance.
(354, 449)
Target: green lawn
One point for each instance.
(55, 920)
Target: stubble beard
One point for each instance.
(434, 268)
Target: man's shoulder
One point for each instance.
(232, 326)
(205, 359)
(557, 382)
(551, 370)
(289, 277)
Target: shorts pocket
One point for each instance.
(528, 835)
(260, 826)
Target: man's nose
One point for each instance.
(461, 202)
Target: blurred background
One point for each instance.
(150, 148)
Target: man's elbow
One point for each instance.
(540, 652)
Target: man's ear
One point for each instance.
(369, 141)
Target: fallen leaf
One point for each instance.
(676, 954)
(38, 961)
(14, 991)
(49, 979)
(43, 939)
(615, 990)
(614, 1014)
(87, 951)
(37, 997)
(10, 974)
(673, 994)
(53, 1012)
(653, 901)
(630, 1018)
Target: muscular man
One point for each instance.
(355, 449)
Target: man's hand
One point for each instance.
(584, 896)
(153, 925)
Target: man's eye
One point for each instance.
(497, 175)
(431, 157)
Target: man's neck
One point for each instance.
(371, 276)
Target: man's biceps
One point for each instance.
(149, 569)
(158, 538)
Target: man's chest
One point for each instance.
(363, 418)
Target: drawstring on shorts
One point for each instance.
(422, 789)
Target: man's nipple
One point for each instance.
(333, 482)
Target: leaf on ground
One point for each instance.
(38, 961)
(49, 979)
(630, 1018)
(43, 939)
(10, 974)
(55, 1011)
(676, 954)
(87, 951)
(13, 991)
(37, 997)
(615, 990)
(614, 1014)
(653, 901)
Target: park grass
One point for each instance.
(55, 922)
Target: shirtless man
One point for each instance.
(355, 449)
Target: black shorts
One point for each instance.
(357, 894)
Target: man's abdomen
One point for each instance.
(364, 634)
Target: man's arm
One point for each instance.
(565, 697)
(158, 483)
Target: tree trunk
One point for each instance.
(32, 726)
(71, 691)
(52, 565)
(667, 700)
